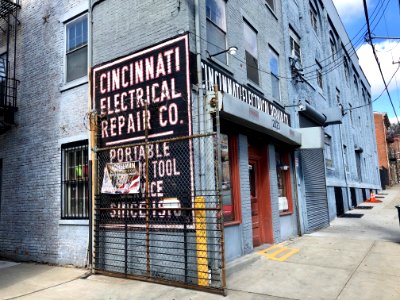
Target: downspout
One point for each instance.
(200, 110)
(92, 140)
(344, 170)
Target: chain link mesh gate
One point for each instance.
(171, 231)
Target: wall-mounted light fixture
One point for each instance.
(284, 167)
(231, 50)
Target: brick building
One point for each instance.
(383, 140)
(234, 148)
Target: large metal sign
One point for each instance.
(143, 101)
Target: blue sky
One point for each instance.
(385, 21)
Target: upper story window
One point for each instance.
(216, 28)
(319, 77)
(76, 48)
(274, 67)
(346, 68)
(356, 83)
(333, 45)
(328, 151)
(295, 51)
(271, 4)
(75, 192)
(250, 46)
(314, 18)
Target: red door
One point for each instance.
(259, 194)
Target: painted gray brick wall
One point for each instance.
(357, 129)
(31, 152)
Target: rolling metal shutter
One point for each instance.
(313, 167)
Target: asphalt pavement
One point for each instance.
(354, 258)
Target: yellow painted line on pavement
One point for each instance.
(278, 252)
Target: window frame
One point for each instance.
(294, 40)
(65, 149)
(333, 45)
(320, 79)
(69, 51)
(271, 7)
(314, 18)
(328, 150)
(247, 53)
(234, 178)
(274, 55)
(285, 159)
(223, 57)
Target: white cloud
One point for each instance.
(387, 51)
(349, 9)
(393, 120)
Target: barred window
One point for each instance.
(75, 195)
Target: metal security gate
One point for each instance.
(154, 236)
(313, 167)
(157, 211)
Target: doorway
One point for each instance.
(339, 201)
(259, 194)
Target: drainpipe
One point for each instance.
(344, 169)
(92, 140)
(201, 110)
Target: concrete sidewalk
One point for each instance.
(355, 258)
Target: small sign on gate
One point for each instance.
(121, 178)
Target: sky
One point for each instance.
(384, 18)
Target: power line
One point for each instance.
(376, 57)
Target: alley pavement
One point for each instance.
(357, 257)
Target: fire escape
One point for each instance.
(8, 47)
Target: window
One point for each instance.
(250, 45)
(358, 163)
(271, 4)
(230, 179)
(338, 96)
(75, 181)
(319, 77)
(346, 68)
(356, 84)
(345, 161)
(76, 48)
(274, 67)
(314, 18)
(328, 151)
(295, 46)
(351, 113)
(216, 28)
(284, 183)
(332, 41)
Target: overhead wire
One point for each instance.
(376, 58)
